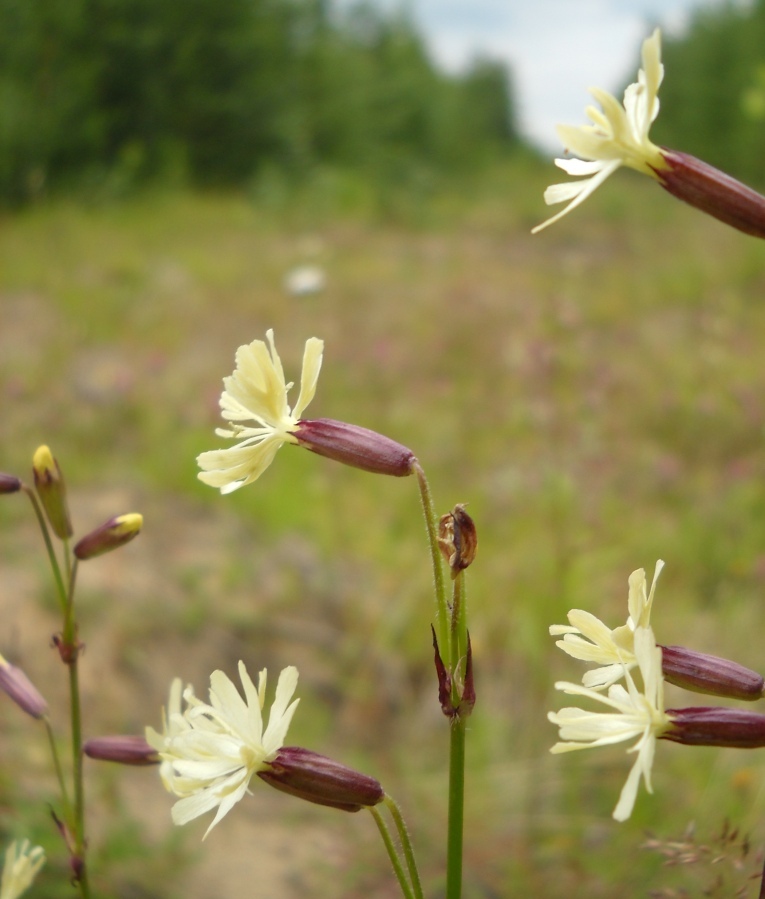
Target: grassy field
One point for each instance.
(596, 394)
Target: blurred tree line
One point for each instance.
(713, 95)
(212, 92)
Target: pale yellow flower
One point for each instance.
(588, 639)
(22, 863)
(617, 137)
(634, 714)
(210, 751)
(254, 401)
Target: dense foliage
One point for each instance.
(213, 93)
(713, 96)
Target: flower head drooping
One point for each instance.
(617, 137)
(22, 864)
(210, 751)
(634, 715)
(587, 638)
(256, 393)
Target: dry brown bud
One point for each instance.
(457, 539)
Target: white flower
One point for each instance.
(618, 136)
(635, 715)
(257, 393)
(22, 862)
(210, 752)
(304, 280)
(587, 638)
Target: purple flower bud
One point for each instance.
(704, 673)
(9, 483)
(712, 191)
(110, 535)
(125, 749)
(322, 780)
(355, 446)
(737, 728)
(52, 491)
(21, 690)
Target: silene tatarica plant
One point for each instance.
(208, 750)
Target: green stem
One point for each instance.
(442, 607)
(458, 637)
(71, 644)
(392, 854)
(67, 802)
(60, 588)
(406, 845)
(456, 808)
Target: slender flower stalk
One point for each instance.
(407, 890)
(406, 845)
(443, 630)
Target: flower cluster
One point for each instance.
(636, 710)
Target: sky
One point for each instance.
(556, 49)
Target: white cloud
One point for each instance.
(556, 49)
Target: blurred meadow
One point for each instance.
(595, 394)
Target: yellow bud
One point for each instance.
(52, 491)
(110, 535)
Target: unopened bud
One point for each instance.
(9, 483)
(21, 690)
(322, 780)
(110, 535)
(355, 446)
(52, 492)
(712, 191)
(736, 728)
(457, 539)
(125, 749)
(703, 673)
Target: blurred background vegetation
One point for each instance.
(596, 394)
